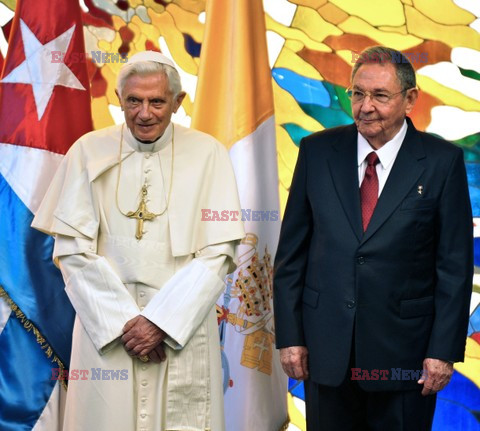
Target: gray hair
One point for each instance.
(147, 68)
(383, 55)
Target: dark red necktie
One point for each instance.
(369, 189)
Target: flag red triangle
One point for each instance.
(67, 113)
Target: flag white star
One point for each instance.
(40, 71)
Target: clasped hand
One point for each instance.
(142, 337)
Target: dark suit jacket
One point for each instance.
(401, 289)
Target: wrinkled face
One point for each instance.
(148, 104)
(380, 122)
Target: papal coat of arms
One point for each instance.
(247, 306)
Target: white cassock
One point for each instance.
(172, 276)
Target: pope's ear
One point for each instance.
(179, 100)
(119, 99)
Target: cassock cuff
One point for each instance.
(101, 302)
(184, 301)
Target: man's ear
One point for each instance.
(179, 100)
(119, 99)
(412, 96)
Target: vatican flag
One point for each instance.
(234, 103)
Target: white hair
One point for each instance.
(147, 68)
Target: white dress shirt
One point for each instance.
(386, 154)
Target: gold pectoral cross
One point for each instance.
(142, 214)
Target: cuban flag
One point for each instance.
(234, 103)
(44, 108)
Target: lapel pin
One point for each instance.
(420, 190)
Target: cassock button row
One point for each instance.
(143, 415)
(144, 383)
(144, 399)
(142, 294)
(141, 308)
(144, 367)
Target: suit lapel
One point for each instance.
(343, 167)
(405, 171)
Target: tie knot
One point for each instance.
(372, 158)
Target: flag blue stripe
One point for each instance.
(25, 378)
(28, 275)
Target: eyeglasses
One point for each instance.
(382, 97)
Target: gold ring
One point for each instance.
(144, 358)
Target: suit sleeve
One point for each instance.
(454, 267)
(291, 259)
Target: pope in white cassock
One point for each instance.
(141, 268)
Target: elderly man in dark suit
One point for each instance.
(373, 273)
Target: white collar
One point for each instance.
(387, 152)
(154, 147)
